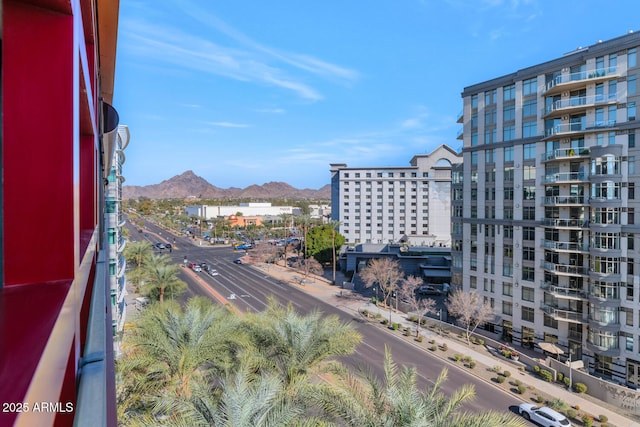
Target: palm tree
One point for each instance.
(296, 345)
(363, 400)
(173, 351)
(137, 254)
(162, 277)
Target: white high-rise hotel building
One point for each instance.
(409, 204)
(544, 206)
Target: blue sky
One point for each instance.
(248, 92)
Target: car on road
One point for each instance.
(238, 261)
(428, 290)
(243, 246)
(213, 272)
(160, 245)
(543, 415)
(168, 246)
(197, 268)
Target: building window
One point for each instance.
(529, 151)
(509, 133)
(528, 254)
(507, 307)
(631, 190)
(507, 289)
(507, 269)
(508, 193)
(474, 158)
(508, 231)
(528, 294)
(529, 213)
(509, 92)
(528, 314)
(528, 274)
(509, 113)
(632, 59)
(528, 233)
(530, 108)
(530, 86)
(474, 101)
(507, 212)
(550, 321)
(631, 84)
(631, 111)
(473, 282)
(508, 154)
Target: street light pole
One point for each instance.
(570, 370)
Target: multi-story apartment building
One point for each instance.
(396, 204)
(115, 223)
(544, 205)
(57, 141)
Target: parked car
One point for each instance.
(542, 415)
(428, 290)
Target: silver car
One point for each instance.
(542, 415)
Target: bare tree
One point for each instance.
(470, 309)
(386, 273)
(421, 306)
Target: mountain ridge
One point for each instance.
(190, 185)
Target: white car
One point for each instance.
(542, 415)
(197, 268)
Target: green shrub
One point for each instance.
(377, 315)
(472, 364)
(506, 374)
(385, 321)
(500, 379)
(559, 376)
(419, 339)
(603, 418)
(558, 404)
(518, 383)
(546, 375)
(480, 341)
(576, 407)
(431, 341)
(433, 348)
(445, 347)
(587, 420)
(457, 357)
(580, 388)
(536, 369)
(567, 381)
(467, 359)
(571, 413)
(521, 389)
(497, 369)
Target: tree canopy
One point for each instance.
(321, 242)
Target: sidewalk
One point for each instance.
(321, 287)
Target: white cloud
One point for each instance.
(229, 124)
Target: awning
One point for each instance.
(436, 273)
(550, 348)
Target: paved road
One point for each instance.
(248, 288)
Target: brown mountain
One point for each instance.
(188, 184)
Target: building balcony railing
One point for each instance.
(565, 223)
(580, 78)
(565, 200)
(565, 177)
(604, 350)
(579, 103)
(562, 314)
(608, 326)
(565, 269)
(566, 246)
(575, 335)
(566, 153)
(563, 292)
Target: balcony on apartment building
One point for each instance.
(565, 200)
(563, 292)
(565, 246)
(578, 103)
(565, 178)
(566, 153)
(574, 270)
(572, 81)
(565, 223)
(565, 314)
